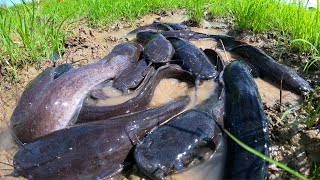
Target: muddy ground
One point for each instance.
(290, 143)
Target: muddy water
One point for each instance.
(270, 94)
(166, 91)
(114, 95)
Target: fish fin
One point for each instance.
(13, 174)
(17, 140)
(132, 135)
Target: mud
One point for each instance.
(291, 143)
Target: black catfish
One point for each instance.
(244, 119)
(157, 48)
(92, 150)
(52, 106)
(187, 139)
(187, 35)
(193, 59)
(132, 77)
(161, 26)
(268, 67)
(228, 42)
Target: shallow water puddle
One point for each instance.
(167, 90)
(270, 94)
(208, 31)
(170, 89)
(114, 96)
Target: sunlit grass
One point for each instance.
(290, 21)
(29, 33)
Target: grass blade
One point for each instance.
(262, 156)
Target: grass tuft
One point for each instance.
(30, 32)
(292, 21)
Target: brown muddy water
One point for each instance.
(88, 45)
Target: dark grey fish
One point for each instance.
(138, 103)
(174, 26)
(48, 107)
(268, 67)
(228, 42)
(186, 140)
(187, 35)
(92, 150)
(193, 59)
(179, 26)
(152, 27)
(216, 59)
(244, 119)
(132, 77)
(161, 26)
(157, 48)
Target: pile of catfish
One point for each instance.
(61, 136)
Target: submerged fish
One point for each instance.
(244, 119)
(49, 106)
(92, 150)
(268, 67)
(184, 141)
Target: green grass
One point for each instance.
(288, 21)
(312, 107)
(315, 174)
(29, 34)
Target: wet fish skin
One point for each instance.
(132, 77)
(151, 27)
(193, 59)
(157, 48)
(268, 67)
(56, 105)
(216, 59)
(192, 135)
(91, 150)
(228, 41)
(161, 26)
(141, 101)
(179, 26)
(187, 35)
(173, 26)
(244, 119)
